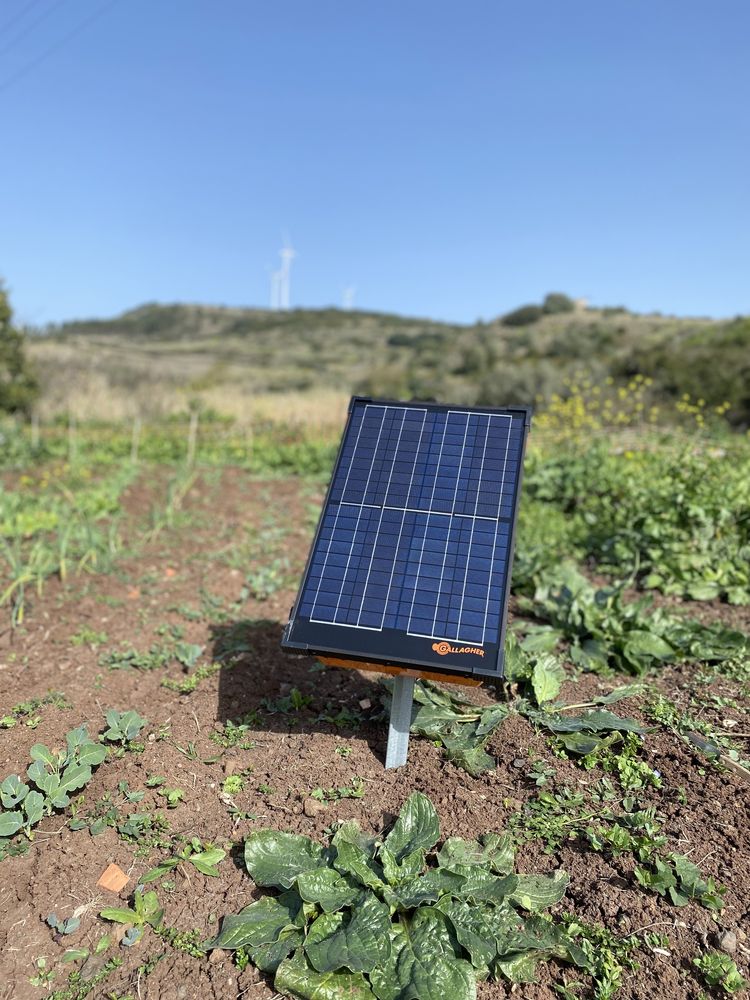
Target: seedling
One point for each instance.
(173, 796)
(189, 684)
(123, 726)
(355, 791)
(719, 970)
(44, 976)
(203, 857)
(69, 926)
(233, 784)
(56, 774)
(145, 911)
(28, 711)
(295, 701)
(234, 734)
(86, 636)
(540, 773)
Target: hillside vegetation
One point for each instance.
(160, 359)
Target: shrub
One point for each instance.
(556, 302)
(523, 316)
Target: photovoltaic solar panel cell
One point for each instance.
(411, 560)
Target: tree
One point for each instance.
(18, 385)
(523, 316)
(557, 302)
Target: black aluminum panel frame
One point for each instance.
(302, 636)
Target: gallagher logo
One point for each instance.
(443, 648)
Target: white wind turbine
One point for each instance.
(275, 289)
(287, 255)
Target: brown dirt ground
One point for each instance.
(192, 575)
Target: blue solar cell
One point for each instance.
(411, 560)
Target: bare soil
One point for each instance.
(191, 576)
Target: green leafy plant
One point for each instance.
(369, 918)
(158, 655)
(69, 926)
(295, 701)
(680, 881)
(145, 911)
(719, 970)
(203, 857)
(233, 784)
(54, 775)
(43, 975)
(354, 791)
(124, 727)
(27, 711)
(108, 811)
(607, 633)
(189, 684)
(464, 729)
(566, 815)
(173, 796)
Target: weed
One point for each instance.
(609, 955)
(632, 772)
(719, 970)
(191, 683)
(233, 784)
(28, 711)
(79, 989)
(43, 975)
(263, 582)
(234, 734)
(354, 791)
(186, 941)
(148, 830)
(295, 701)
(540, 772)
(156, 657)
(173, 796)
(203, 857)
(86, 636)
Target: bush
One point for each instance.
(523, 316)
(556, 302)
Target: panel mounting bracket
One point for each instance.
(401, 704)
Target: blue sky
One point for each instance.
(450, 159)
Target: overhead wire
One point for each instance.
(50, 50)
(18, 16)
(30, 27)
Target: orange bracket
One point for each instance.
(382, 668)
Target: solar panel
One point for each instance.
(411, 560)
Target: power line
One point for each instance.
(30, 27)
(56, 45)
(18, 17)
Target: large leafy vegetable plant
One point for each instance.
(389, 919)
(605, 632)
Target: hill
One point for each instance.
(158, 359)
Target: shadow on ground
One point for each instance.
(272, 690)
